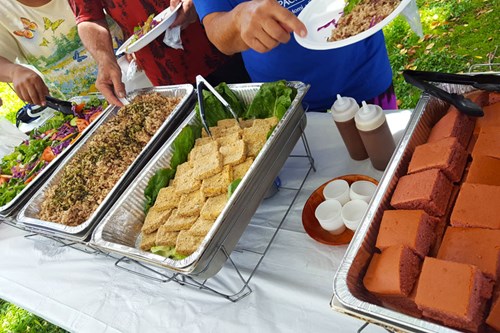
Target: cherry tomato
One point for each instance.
(48, 155)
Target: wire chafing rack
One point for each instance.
(241, 264)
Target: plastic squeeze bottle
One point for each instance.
(374, 131)
(343, 111)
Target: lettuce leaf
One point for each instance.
(214, 110)
(53, 123)
(230, 97)
(272, 99)
(183, 144)
(8, 191)
(159, 180)
(232, 187)
(167, 252)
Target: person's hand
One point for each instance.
(131, 57)
(185, 15)
(29, 86)
(109, 81)
(264, 24)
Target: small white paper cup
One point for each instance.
(362, 190)
(353, 212)
(337, 189)
(328, 214)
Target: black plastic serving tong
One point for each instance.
(488, 82)
(30, 112)
(59, 105)
(201, 83)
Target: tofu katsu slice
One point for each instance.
(187, 243)
(154, 219)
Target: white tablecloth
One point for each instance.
(292, 288)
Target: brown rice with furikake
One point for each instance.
(92, 173)
(363, 16)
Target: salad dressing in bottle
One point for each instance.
(376, 135)
(343, 111)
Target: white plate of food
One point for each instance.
(149, 31)
(328, 28)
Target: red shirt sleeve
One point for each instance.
(87, 10)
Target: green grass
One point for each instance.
(458, 34)
(11, 103)
(17, 320)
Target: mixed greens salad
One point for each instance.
(44, 144)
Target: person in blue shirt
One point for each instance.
(262, 31)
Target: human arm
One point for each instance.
(97, 40)
(185, 15)
(28, 85)
(257, 24)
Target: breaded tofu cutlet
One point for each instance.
(207, 165)
(176, 222)
(255, 138)
(154, 219)
(234, 153)
(201, 227)
(217, 184)
(167, 199)
(213, 207)
(184, 181)
(191, 203)
(165, 237)
(147, 241)
(241, 169)
(200, 151)
(230, 138)
(187, 243)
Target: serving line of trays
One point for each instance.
(119, 230)
(13, 206)
(27, 218)
(350, 296)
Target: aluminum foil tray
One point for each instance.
(27, 216)
(350, 296)
(119, 231)
(10, 208)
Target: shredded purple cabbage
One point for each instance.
(64, 131)
(372, 21)
(327, 24)
(60, 147)
(90, 112)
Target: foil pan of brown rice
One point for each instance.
(85, 184)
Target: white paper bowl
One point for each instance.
(337, 189)
(362, 190)
(353, 212)
(328, 214)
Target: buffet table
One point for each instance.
(291, 289)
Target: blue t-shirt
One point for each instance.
(361, 70)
